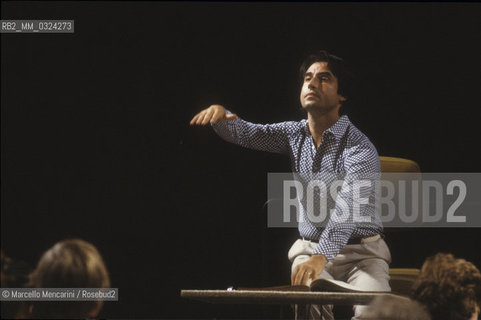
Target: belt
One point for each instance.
(354, 240)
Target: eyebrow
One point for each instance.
(329, 74)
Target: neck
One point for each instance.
(320, 122)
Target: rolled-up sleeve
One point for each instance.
(263, 137)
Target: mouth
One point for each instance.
(310, 94)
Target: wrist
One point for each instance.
(319, 257)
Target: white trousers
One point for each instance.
(364, 265)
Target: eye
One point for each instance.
(324, 78)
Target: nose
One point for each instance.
(311, 83)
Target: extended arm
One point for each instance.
(263, 137)
(211, 115)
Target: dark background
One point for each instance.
(96, 142)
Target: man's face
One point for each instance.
(319, 90)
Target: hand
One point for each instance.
(212, 114)
(310, 269)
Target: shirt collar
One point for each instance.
(337, 130)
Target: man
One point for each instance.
(325, 142)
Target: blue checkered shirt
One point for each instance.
(344, 150)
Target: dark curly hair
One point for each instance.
(449, 287)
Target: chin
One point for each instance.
(312, 106)
(315, 108)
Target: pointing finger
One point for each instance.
(201, 117)
(194, 119)
(207, 117)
